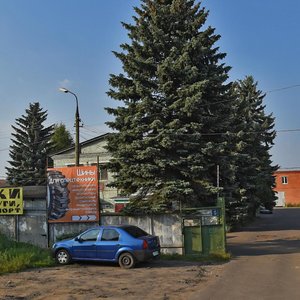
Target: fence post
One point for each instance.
(17, 228)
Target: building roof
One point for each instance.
(82, 144)
(286, 170)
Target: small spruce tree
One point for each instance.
(61, 138)
(29, 149)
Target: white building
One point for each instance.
(93, 153)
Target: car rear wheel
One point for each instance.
(63, 257)
(126, 260)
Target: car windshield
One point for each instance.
(135, 231)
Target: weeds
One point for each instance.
(16, 256)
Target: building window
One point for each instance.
(102, 169)
(103, 173)
(284, 180)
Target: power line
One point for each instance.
(288, 130)
(284, 88)
(271, 91)
(92, 129)
(225, 133)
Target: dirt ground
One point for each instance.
(158, 279)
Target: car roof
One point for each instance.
(114, 226)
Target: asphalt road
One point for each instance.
(266, 261)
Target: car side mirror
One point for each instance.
(78, 239)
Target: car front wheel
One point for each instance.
(126, 260)
(63, 257)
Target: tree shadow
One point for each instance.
(281, 219)
(264, 243)
(268, 247)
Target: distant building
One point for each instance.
(93, 152)
(3, 183)
(287, 187)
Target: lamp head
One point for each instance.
(64, 90)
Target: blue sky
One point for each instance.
(48, 44)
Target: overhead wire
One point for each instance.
(283, 88)
(204, 134)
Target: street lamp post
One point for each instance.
(77, 120)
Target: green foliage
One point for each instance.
(180, 120)
(61, 138)
(15, 256)
(30, 148)
(176, 101)
(255, 137)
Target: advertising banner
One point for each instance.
(73, 194)
(11, 201)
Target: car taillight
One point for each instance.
(145, 244)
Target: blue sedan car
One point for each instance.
(124, 244)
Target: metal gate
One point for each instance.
(204, 230)
(192, 237)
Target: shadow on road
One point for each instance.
(151, 264)
(281, 219)
(266, 247)
(268, 234)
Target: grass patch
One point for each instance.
(15, 256)
(212, 258)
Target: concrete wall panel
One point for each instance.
(7, 226)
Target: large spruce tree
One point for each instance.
(175, 107)
(255, 137)
(30, 147)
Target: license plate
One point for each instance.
(155, 253)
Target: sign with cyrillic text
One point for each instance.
(73, 194)
(11, 201)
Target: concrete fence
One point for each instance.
(33, 226)
(167, 226)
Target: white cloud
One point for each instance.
(65, 83)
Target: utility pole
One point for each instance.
(77, 121)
